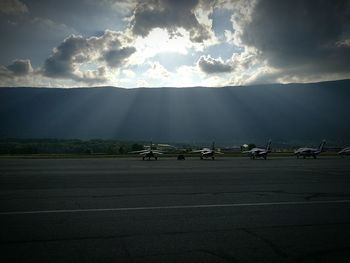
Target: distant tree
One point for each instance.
(113, 149)
(122, 149)
(89, 151)
(186, 148)
(136, 147)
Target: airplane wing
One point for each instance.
(142, 151)
(299, 150)
(197, 151)
(157, 152)
(219, 153)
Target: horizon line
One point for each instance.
(174, 87)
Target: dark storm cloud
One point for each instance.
(310, 35)
(115, 58)
(211, 65)
(61, 63)
(20, 67)
(31, 28)
(170, 15)
(25, 36)
(75, 51)
(18, 70)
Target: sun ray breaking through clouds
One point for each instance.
(263, 42)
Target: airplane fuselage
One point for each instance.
(209, 154)
(345, 151)
(149, 155)
(257, 153)
(307, 152)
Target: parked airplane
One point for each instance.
(259, 152)
(305, 152)
(345, 151)
(207, 153)
(149, 152)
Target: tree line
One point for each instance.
(60, 146)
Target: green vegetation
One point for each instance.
(57, 147)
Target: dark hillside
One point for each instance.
(281, 112)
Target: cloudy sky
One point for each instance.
(174, 43)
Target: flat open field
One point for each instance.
(128, 210)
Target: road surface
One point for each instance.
(128, 210)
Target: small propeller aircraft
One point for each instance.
(305, 152)
(345, 151)
(149, 152)
(207, 152)
(259, 152)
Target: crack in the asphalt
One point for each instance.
(268, 242)
(259, 193)
(224, 256)
(127, 251)
(320, 253)
(120, 236)
(311, 196)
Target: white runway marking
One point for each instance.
(121, 209)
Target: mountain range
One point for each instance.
(284, 112)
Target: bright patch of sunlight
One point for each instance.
(160, 41)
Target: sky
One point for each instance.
(172, 43)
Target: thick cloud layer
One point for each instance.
(115, 57)
(302, 37)
(63, 61)
(211, 65)
(170, 15)
(75, 51)
(20, 67)
(16, 72)
(221, 42)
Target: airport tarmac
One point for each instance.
(129, 210)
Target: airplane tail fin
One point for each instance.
(268, 146)
(320, 148)
(213, 146)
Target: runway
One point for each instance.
(128, 210)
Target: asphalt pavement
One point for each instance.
(129, 210)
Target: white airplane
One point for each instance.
(305, 152)
(148, 153)
(259, 152)
(345, 151)
(207, 153)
